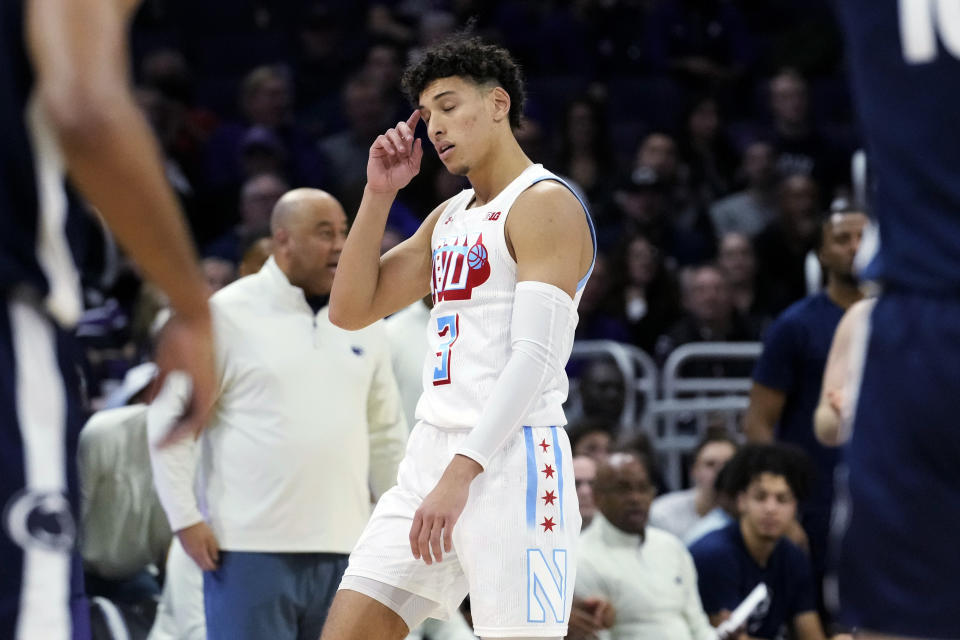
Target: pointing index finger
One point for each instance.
(413, 119)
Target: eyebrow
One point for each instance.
(437, 97)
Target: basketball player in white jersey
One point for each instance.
(486, 499)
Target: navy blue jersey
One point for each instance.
(727, 573)
(34, 202)
(794, 356)
(905, 69)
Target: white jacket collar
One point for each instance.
(290, 296)
(614, 537)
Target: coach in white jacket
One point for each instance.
(307, 425)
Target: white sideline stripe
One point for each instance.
(41, 408)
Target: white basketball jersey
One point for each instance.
(473, 282)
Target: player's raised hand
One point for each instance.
(432, 531)
(395, 157)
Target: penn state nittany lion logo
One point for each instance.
(40, 519)
(459, 265)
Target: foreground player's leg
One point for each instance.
(365, 608)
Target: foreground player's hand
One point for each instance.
(395, 157)
(434, 520)
(201, 545)
(187, 345)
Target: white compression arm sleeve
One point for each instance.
(542, 315)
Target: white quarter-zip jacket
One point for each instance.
(307, 425)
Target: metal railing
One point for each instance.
(676, 409)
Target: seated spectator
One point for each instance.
(599, 317)
(585, 154)
(591, 437)
(266, 101)
(123, 529)
(218, 272)
(801, 147)
(768, 480)
(708, 152)
(368, 111)
(737, 260)
(257, 197)
(584, 473)
(683, 228)
(750, 210)
(721, 515)
(254, 256)
(602, 390)
(710, 316)
(647, 574)
(785, 246)
(678, 511)
(649, 298)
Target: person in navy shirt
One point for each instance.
(768, 480)
(787, 378)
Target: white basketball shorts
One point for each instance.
(514, 545)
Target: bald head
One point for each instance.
(295, 206)
(308, 227)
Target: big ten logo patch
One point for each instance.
(460, 263)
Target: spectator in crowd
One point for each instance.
(599, 317)
(123, 529)
(255, 256)
(752, 209)
(709, 316)
(584, 474)
(768, 481)
(709, 155)
(218, 272)
(737, 260)
(686, 232)
(649, 301)
(801, 147)
(368, 112)
(307, 424)
(721, 515)
(788, 375)
(646, 573)
(678, 511)
(591, 437)
(784, 246)
(602, 390)
(326, 50)
(257, 199)
(585, 153)
(266, 101)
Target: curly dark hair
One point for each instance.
(753, 460)
(467, 57)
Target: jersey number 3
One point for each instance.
(447, 327)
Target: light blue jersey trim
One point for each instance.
(586, 212)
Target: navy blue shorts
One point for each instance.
(39, 423)
(898, 555)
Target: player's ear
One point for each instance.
(500, 103)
